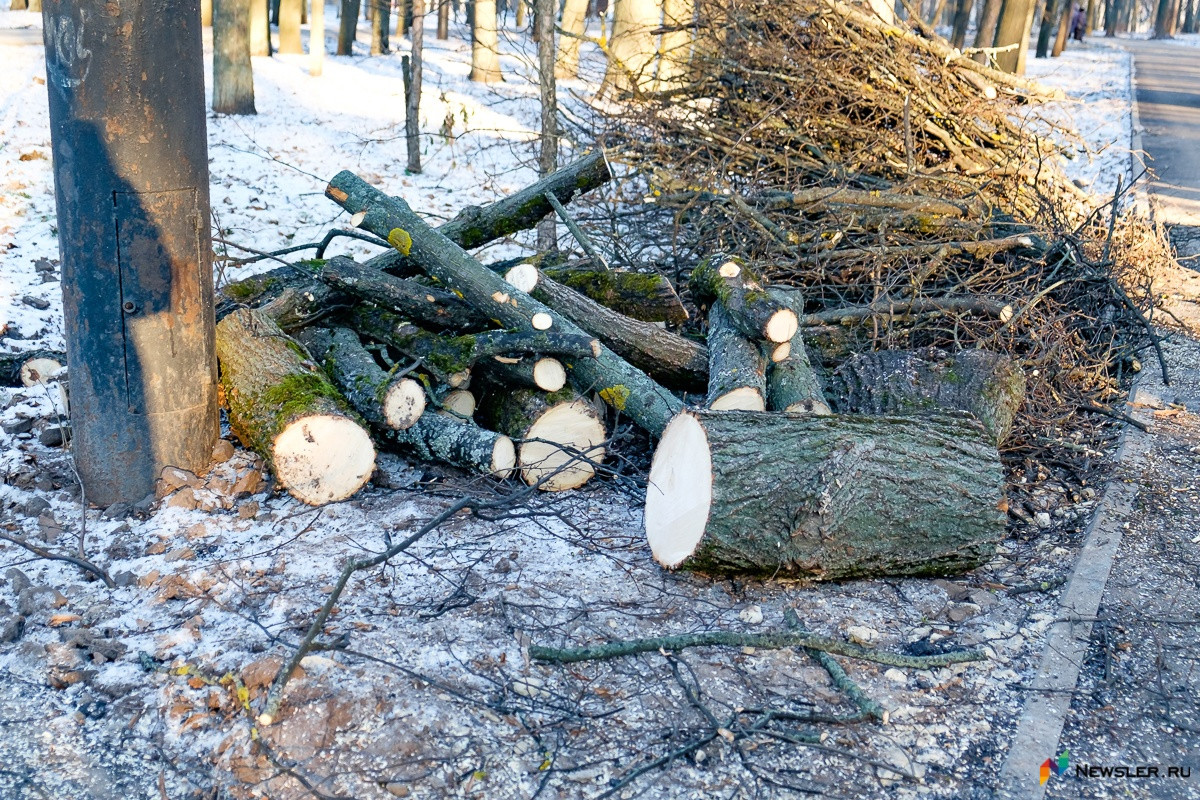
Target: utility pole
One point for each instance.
(126, 88)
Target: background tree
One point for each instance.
(962, 20)
(573, 18)
(348, 27)
(985, 31)
(260, 28)
(412, 89)
(289, 26)
(544, 13)
(485, 53)
(206, 12)
(316, 38)
(381, 23)
(443, 19)
(1013, 28)
(233, 80)
(676, 47)
(632, 50)
(1165, 19)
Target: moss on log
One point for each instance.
(792, 384)
(754, 312)
(383, 400)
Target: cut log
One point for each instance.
(455, 404)
(547, 374)
(296, 281)
(297, 306)
(824, 498)
(991, 386)
(560, 435)
(752, 310)
(622, 386)
(458, 443)
(450, 358)
(286, 410)
(382, 399)
(737, 378)
(31, 367)
(792, 384)
(647, 296)
(423, 305)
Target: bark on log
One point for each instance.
(560, 435)
(423, 305)
(990, 386)
(792, 384)
(546, 373)
(31, 367)
(737, 379)
(286, 410)
(619, 384)
(457, 405)
(459, 443)
(382, 399)
(447, 356)
(751, 309)
(645, 296)
(824, 498)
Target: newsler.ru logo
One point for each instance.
(1130, 772)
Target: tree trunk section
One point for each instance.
(985, 31)
(233, 79)
(485, 48)
(423, 305)
(260, 28)
(545, 373)
(755, 313)
(620, 385)
(316, 39)
(1014, 26)
(792, 383)
(633, 49)
(1052, 13)
(962, 21)
(348, 27)
(206, 13)
(675, 64)
(566, 65)
(990, 386)
(443, 19)
(1064, 29)
(737, 378)
(823, 498)
(547, 238)
(381, 26)
(646, 296)
(383, 401)
(289, 27)
(458, 443)
(412, 88)
(285, 409)
(560, 436)
(31, 367)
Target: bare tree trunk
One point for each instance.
(520, 13)
(485, 53)
(1016, 21)
(381, 24)
(412, 89)
(1111, 13)
(443, 19)
(632, 50)
(1051, 13)
(348, 29)
(1164, 19)
(18, 5)
(1064, 29)
(567, 65)
(316, 38)
(547, 237)
(206, 13)
(678, 18)
(985, 33)
(233, 81)
(289, 26)
(260, 28)
(962, 19)
(1189, 17)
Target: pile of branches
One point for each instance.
(912, 193)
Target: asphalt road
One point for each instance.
(1168, 98)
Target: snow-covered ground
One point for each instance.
(436, 695)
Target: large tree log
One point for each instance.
(459, 443)
(382, 399)
(286, 410)
(824, 497)
(424, 305)
(991, 386)
(545, 373)
(646, 296)
(737, 379)
(750, 308)
(561, 436)
(625, 388)
(792, 384)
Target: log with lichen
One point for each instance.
(792, 383)
(284, 407)
(737, 367)
(645, 296)
(751, 309)
(459, 443)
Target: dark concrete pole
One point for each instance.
(127, 123)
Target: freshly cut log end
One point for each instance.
(403, 403)
(780, 352)
(549, 374)
(824, 498)
(745, 398)
(458, 404)
(37, 371)
(541, 321)
(781, 327)
(504, 457)
(561, 447)
(817, 408)
(323, 458)
(523, 277)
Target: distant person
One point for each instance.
(1078, 23)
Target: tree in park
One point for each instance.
(412, 86)
(316, 38)
(1166, 19)
(1013, 28)
(289, 26)
(485, 52)
(678, 18)
(567, 64)
(233, 80)
(443, 19)
(260, 28)
(381, 22)
(348, 29)
(548, 153)
(632, 50)
(985, 31)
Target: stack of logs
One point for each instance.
(505, 368)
